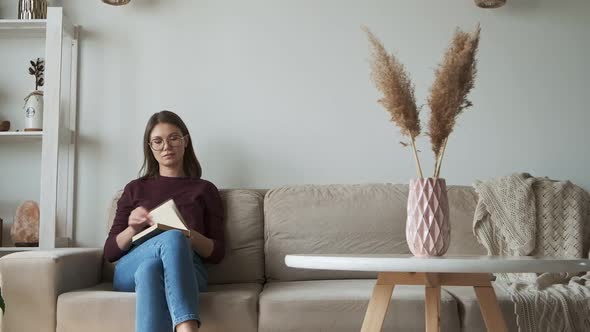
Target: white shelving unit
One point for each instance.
(58, 139)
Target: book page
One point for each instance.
(168, 214)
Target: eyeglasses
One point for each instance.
(157, 144)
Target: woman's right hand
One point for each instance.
(139, 219)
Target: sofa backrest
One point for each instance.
(353, 219)
(244, 255)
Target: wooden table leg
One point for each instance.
(383, 290)
(378, 305)
(490, 309)
(432, 309)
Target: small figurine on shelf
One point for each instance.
(34, 101)
(4, 125)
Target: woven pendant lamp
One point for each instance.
(116, 2)
(490, 3)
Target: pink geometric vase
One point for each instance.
(428, 230)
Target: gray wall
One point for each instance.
(278, 92)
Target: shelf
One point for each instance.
(16, 249)
(20, 136)
(23, 28)
(36, 28)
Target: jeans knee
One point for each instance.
(174, 238)
(150, 270)
(173, 234)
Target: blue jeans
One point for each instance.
(167, 277)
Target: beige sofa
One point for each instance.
(252, 290)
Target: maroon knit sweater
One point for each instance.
(197, 200)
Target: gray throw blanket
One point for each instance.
(520, 215)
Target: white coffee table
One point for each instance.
(434, 272)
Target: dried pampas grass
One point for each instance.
(454, 79)
(398, 99)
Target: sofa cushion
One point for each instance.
(244, 256)
(332, 219)
(350, 219)
(471, 318)
(462, 203)
(223, 308)
(244, 229)
(340, 305)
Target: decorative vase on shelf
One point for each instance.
(34, 111)
(34, 101)
(32, 9)
(428, 230)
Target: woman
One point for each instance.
(166, 271)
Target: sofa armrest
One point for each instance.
(32, 281)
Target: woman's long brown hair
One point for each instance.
(150, 167)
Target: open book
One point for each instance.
(166, 217)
